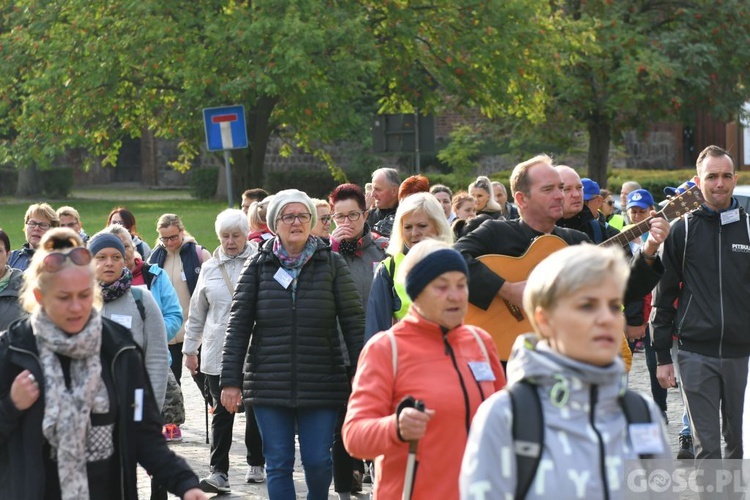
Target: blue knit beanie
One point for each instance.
(105, 240)
(432, 266)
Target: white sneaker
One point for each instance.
(218, 482)
(255, 474)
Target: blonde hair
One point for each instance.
(169, 220)
(424, 202)
(321, 203)
(256, 214)
(68, 212)
(569, 270)
(60, 240)
(42, 210)
(459, 199)
(485, 184)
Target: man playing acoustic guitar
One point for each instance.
(537, 189)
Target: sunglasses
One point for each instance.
(54, 261)
(611, 203)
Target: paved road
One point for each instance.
(195, 450)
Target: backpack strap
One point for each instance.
(148, 278)
(528, 433)
(138, 295)
(636, 411)
(394, 351)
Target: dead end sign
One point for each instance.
(225, 128)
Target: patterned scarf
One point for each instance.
(293, 265)
(353, 247)
(66, 422)
(117, 288)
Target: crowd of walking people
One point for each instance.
(371, 328)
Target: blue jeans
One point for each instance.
(315, 427)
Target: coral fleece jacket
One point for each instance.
(425, 370)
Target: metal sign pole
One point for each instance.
(228, 172)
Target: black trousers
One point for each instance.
(343, 464)
(200, 379)
(221, 433)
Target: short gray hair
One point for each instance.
(231, 219)
(570, 269)
(118, 230)
(391, 175)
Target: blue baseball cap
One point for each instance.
(671, 191)
(640, 198)
(590, 189)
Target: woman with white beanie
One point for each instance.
(284, 320)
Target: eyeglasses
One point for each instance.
(289, 219)
(611, 203)
(41, 225)
(326, 219)
(70, 225)
(167, 239)
(53, 262)
(352, 216)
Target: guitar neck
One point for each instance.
(635, 231)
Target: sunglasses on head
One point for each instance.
(54, 261)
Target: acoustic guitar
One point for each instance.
(505, 321)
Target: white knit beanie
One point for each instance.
(285, 197)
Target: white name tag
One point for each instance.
(182, 276)
(266, 236)
(138, 406)
(283, 278)
(646, 438)
(730, 216)
(123, 319)
(482, 371)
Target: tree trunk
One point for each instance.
(30, 182)
(600, 134)
(149, 170)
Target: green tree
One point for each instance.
(636, 62)
(86, 73)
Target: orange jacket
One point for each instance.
(424, 370)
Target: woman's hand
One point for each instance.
(194, 494)
(191, 363)
(24, 391)
(231, 398)
(412, 423)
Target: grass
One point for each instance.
(94, 204)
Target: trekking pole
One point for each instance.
(411, 461)
(206, 406)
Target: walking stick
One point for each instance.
(411, 462)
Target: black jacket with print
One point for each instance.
(710, 279)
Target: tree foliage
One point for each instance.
(86, 73)
(635, 62)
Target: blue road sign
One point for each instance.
(225, 128)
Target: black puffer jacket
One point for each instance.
(294, 357)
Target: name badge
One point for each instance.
(266, 236)
(482, 371)
(182, 276)
(646, 438)
(123, 319)
(283, 278)
(730, 216)
(138, 406)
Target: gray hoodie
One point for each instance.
(572, 463)
(151, 336)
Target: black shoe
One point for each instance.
(686, 448)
